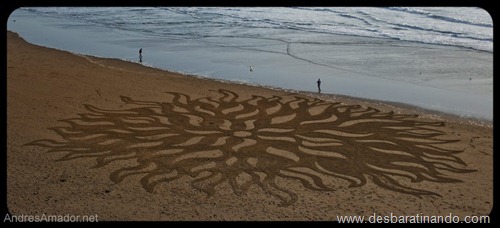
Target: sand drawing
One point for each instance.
(259, 141)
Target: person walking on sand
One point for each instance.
(140, 55)
(319, 85)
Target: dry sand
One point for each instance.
(94, 136)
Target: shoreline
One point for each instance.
(409, 108)
(56, 97)
(429, 76)
(383, 104)
(402, 107)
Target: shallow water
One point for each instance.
(455, 76)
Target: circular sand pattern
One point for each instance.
(258, 141)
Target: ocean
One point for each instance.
(438, 58)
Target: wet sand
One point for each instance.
(89, 136)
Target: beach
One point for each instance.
(434, 58)
(88, 135)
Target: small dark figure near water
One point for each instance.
(319, 85)
(140, 55)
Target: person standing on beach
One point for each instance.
(140, 55)
(319, 85)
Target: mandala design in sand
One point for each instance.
(257, 141)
